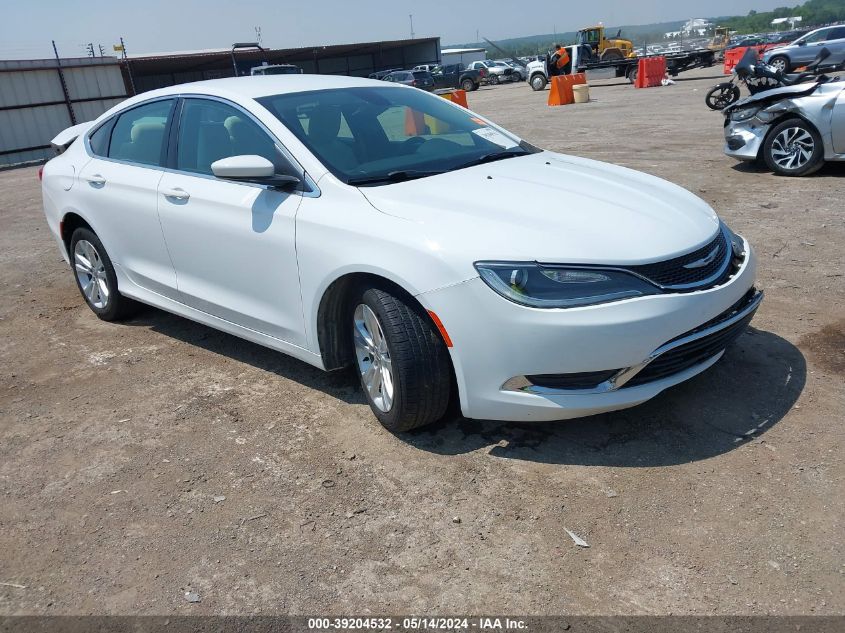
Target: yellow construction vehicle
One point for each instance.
(721, 37)
(603, 48)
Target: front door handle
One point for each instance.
(96, 180)
(176, 193)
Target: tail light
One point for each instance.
(40, 173)
(414, 82)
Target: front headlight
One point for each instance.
(743, 114)
(537, 286)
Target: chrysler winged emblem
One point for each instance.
(704, 261)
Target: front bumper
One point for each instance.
(744, 139)
(497, 342)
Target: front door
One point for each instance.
(233, 244)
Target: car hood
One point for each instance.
(551, 208)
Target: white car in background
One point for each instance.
(497, 72)
(350, 222)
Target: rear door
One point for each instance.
(120, 189)
(836, 44)
(232, 243)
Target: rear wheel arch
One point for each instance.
(69, 223)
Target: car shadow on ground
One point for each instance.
(736, 401)
(832, 169)
(341, 385)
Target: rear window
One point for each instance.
(420, 74)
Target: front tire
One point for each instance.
(722, 95)
(95, 277)
(781, 63)
(794, 148)
(494, 80)
(538, 82)
(401, 360)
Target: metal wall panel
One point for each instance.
(29, 87)
(94, 81)
(33, 108)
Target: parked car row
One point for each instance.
(430, 77)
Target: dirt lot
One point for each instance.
(724, 495)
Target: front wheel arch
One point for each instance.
(333, 338)
(773, 129)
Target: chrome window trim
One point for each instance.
(312, 192)
(623, 376)
(89, 133)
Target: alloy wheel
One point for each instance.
(778, 63)
(793, 148)
(91, 274)
(373, 358)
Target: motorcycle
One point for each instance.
(759, 77)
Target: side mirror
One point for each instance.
(252, 168)
(802, 43)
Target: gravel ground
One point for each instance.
(144, 460)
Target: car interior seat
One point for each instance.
(323, 127)
(144, 144)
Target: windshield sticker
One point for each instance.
(494, 136)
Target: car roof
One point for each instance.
(262, 86)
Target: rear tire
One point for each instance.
(633, 73)
(468, 85)
(96, 279)
(794, 148)
(401, 359)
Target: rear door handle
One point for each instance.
(96, 180)
(176, 193)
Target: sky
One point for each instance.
(148, 26)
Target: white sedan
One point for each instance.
(348, 222)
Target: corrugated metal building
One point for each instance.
(39, 98)
(359, 60)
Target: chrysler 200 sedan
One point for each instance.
(347, 222)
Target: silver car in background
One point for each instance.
(805, 49)
(794, 129)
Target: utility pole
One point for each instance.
(102, 50)
(64, 85)
(122, 50)
(90, 49)
(258, 35)
(411, 16)
(477, 40)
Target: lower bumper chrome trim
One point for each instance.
(623, 376)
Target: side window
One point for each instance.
(138, 134)
(821, 36)
(837, 34)
(99, 140)
(210, 130)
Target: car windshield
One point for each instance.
(371, 136)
